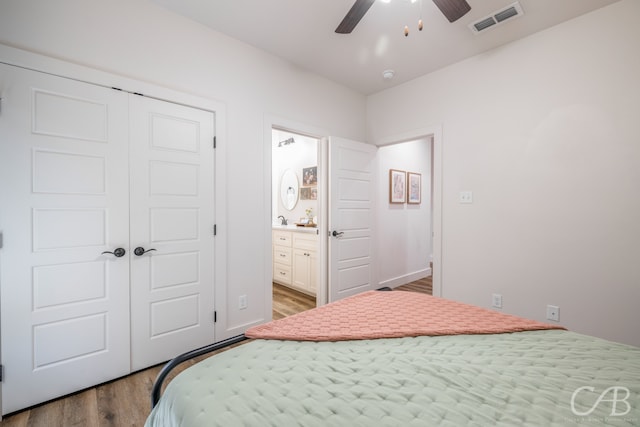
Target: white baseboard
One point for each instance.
(407, 278)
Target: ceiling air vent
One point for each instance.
(484, 24)
(496, 18)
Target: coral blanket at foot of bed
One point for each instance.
(376, 314)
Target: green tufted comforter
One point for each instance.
(538, 378)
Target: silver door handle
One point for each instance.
(337, 233)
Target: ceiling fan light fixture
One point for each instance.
(451, 9)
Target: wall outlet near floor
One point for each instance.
(465, 197)
(496, 301)
(242, 302)
(553, 313)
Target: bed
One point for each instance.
(405, 359)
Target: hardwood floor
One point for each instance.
(424, 286)
(126, 402)
(287, 301)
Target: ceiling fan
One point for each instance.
(452, 9)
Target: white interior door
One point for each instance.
(352, 181)
(63, 201)
(172, 217)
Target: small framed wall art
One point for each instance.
(414, 188)
(310, 176)
(397, 186)
(308, 193)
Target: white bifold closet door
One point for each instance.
(86, 170)
(64, 200)
(172, 177)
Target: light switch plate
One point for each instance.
(496, 300)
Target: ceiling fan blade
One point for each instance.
(453, 9)
(355, 14)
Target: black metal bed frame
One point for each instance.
(157, 385)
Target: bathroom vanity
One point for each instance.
(295, 257)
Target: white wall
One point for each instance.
(545, 133)
(302, 154)
(404, 230)
(141, 40)
(543, 130)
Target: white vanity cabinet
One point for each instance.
(295, 259)
(282, 257)
(305, 259)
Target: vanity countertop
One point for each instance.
(295, 228)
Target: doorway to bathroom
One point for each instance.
(294, 220)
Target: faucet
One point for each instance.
(283, 220)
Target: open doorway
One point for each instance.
(405, 228)
(434, 134)
(294, 220)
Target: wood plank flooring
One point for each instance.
(287, 301)
(424, 286)
(126, 401)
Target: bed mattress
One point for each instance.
(533, 378)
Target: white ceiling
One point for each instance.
(302, 32)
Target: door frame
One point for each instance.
(45, 64)
(272, 121)
(435, 133)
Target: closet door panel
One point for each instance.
(63, 201)
(172, 212)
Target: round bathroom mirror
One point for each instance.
(289, 189)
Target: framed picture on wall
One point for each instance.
(414, 187)
(397, 186)
(310, 176)
(305, 193)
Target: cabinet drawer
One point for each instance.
(282, 273)
(305, 241)
(282, 255)
(282, 238)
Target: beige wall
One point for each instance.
(545, 132)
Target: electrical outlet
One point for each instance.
(242, 302)
(496, 301)
(465, 197)
(553, 313)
